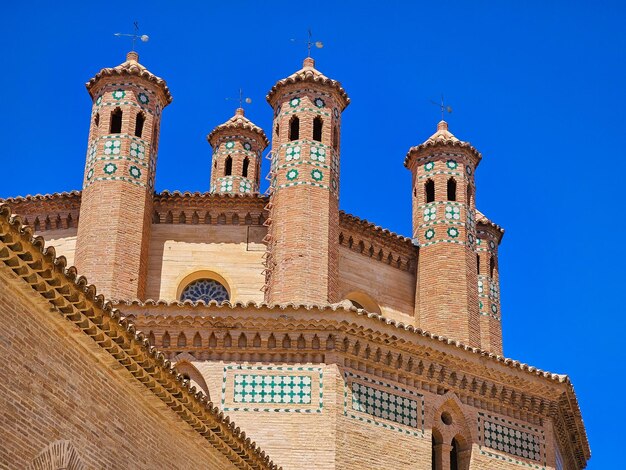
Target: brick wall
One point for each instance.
(57, 384)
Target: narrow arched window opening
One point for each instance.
(116, 121)
(454, 455)
(492, 267)
(317, 128)
(96, 120)
(478, 264)
(429, 190)
(228, 169)
(294, 128)
(469, 195)
(335, 138)
(246, 164)
(451, 189)
(139, 122)
(277, 130)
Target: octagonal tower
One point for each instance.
(302, 255)
(116, 202)
(238, 145)
(444, 228)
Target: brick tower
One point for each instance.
(488, 239)
(116, 207)
(302, 255)
(446, 299)
(237, 148)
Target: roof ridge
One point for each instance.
(41, 197)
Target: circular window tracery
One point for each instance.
(206, 290)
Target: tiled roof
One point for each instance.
(236, 123)
(165, 194)
(482, 219)
(131, 67)
(72, 297)
(308, 73)
(42, 197)
(443, 137)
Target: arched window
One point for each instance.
(246, 164)
(206, 290)
(478, 264)
(294, 128)
(454, 455)
(429, 190)
(277, 130)
(116, 121)
(317, 128)
(451, 189)
(139, 121)
(492, 267)
(335, 138)
(228, 168)
(96, 120)
(469, 195)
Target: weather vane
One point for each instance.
(241, 99)
(310, 43)
(444, 108)
(142, 37)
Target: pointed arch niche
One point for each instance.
(451, 436)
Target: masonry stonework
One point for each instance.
(254, 330)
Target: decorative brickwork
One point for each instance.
(354, 348)
(237, 148)
(302, 255)
(119, 178)
(446, 298)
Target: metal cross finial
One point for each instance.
(444, 108)
(241, 99)
(143, 37)
(310, 43)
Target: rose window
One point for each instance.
(206, 290)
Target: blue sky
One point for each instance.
(538, 89)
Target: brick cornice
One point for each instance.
(72, 297)
(435, 363)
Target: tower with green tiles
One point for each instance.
(302, 244)
(238, 146)
(488, 237)
(444, 229)
(116, 201)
